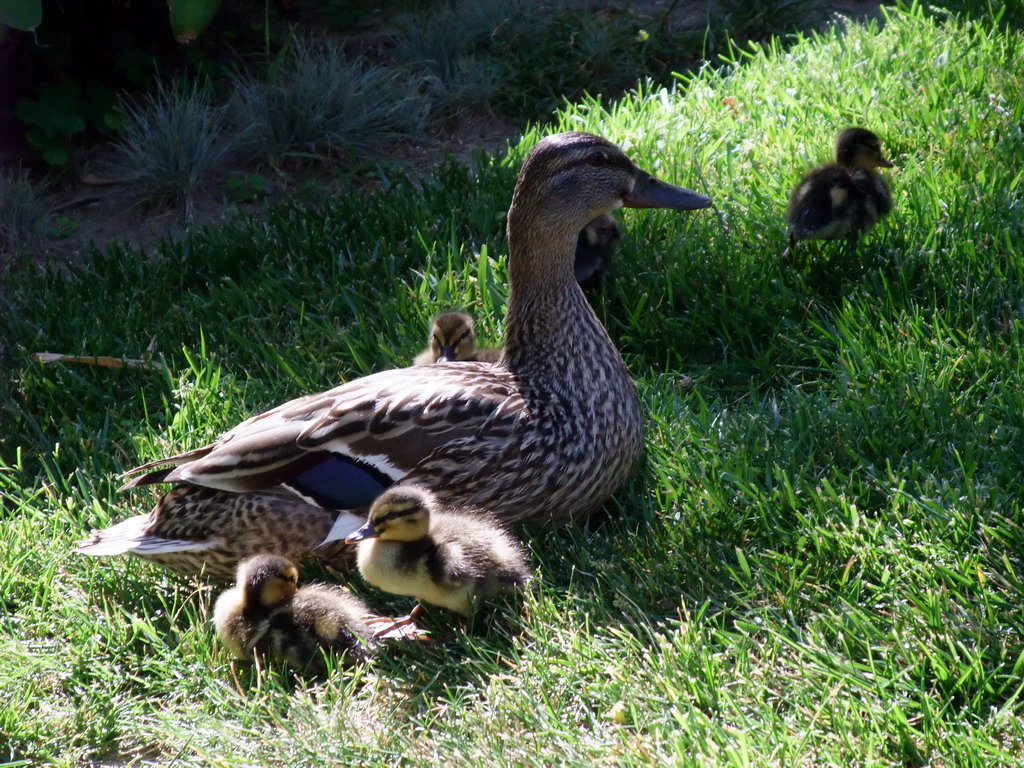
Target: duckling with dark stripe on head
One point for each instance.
(841, 199)
(411, 545)
(266, 614)
(452, 336)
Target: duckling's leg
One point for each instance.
(787, 254)
(852, 241)
(401, 627)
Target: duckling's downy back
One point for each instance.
(320, 618)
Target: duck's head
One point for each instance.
(401, 513)
(452, 337)
(267, 580)
(860, 148)
(569, 179)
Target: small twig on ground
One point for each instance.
(103, 361)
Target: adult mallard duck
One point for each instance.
(594, 249)
(549, 432)
(841, 199)
(266, 614)
(452, 336)
(412, 546)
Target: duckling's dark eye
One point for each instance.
(464, 336)
(597, 157)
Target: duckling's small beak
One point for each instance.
(368, 531)
(649, 192)
(447, 354)
(883, 163)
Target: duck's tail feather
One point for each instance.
(130, 536)
(150, 478)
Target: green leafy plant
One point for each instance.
(21, 14)
(62, 227)
(247, 187)
(59, 111)
(190, 18)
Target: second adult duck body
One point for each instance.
(550, 431)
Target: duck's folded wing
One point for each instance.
(341, 448)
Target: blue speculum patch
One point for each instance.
(340, 482)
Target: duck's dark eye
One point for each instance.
(597, 157)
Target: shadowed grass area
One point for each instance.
(819, 561)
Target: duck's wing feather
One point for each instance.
(341, 448)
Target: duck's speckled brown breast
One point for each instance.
(571, 438)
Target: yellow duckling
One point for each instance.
(595, 246)
(410, 546)
(841, 199)
(453, 337)
(265, 614)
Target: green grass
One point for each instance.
(819, 561)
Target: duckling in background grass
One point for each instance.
(841, 199)
(594, 249)
(410, 545)
(266, 614)
(453, 337)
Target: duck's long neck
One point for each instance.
(550, 327)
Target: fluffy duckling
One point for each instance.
(266, 614)
(595, 246)
(841, 199)
(453, 337)
(410, 546)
